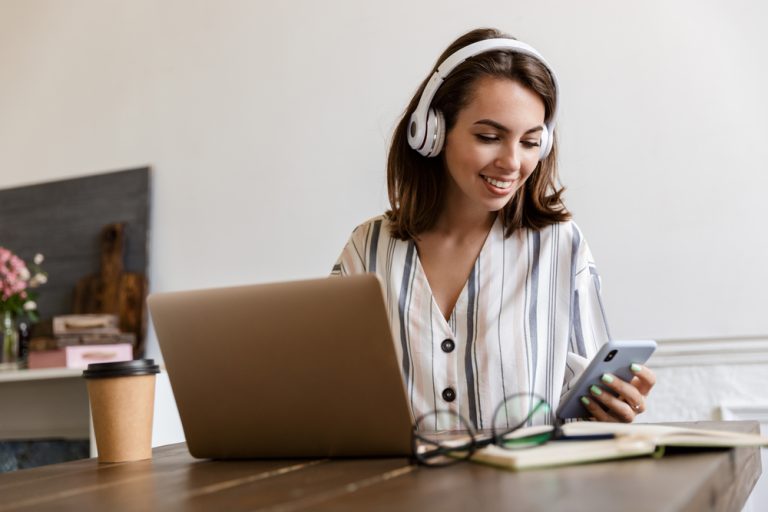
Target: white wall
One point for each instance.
(266, 124)
(714, 379)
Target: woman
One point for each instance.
(491, 288)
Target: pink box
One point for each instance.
(80, 356)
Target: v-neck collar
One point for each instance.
(451, 320)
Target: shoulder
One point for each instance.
(379, 223)
(566, 232)
(373, 231)
(370, 223)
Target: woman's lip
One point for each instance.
(498, 191)
(512, 178)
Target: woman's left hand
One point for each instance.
(631, 396)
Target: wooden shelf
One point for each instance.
(39, 374)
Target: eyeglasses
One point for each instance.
(444, 437)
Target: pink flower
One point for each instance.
(15, 278)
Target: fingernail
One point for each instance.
(635, 367)
(607, 378)
(585, 400)
(596, 390)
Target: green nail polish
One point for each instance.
(585, 400)
(635, 367)
(596, 390)
(607, 378)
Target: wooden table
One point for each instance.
(173, 480)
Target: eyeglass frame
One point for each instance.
(475, 443)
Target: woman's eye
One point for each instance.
(531, 143)
(482, 137)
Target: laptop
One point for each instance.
(294, 369)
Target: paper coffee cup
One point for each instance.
(122, 396)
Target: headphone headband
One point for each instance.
(426, 131)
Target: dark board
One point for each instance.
(63, 220)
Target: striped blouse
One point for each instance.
(528, 318)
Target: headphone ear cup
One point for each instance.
(439, 133)
(545, 144)
(413, 132)
(430, 136)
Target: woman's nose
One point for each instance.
(508, 159)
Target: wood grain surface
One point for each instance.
(718, 480)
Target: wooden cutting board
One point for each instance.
(113, 290)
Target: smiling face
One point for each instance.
(494, 145)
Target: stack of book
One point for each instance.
(74, 341)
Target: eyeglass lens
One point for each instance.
(443, 437)
(523, 411)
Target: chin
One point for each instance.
(500, 202)
(497, 206)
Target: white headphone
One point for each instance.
(426, 130)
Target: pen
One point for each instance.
(585, 437)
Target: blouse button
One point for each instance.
(449, 395)
(447, 346)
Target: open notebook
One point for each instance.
(631, 440)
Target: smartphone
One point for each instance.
(614, 357)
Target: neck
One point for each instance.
(460, 220)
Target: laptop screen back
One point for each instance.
(297, 369)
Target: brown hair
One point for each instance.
(416, 183)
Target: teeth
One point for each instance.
(497, 183)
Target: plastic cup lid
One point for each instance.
(121, 369)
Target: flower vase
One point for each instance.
(10, 353)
